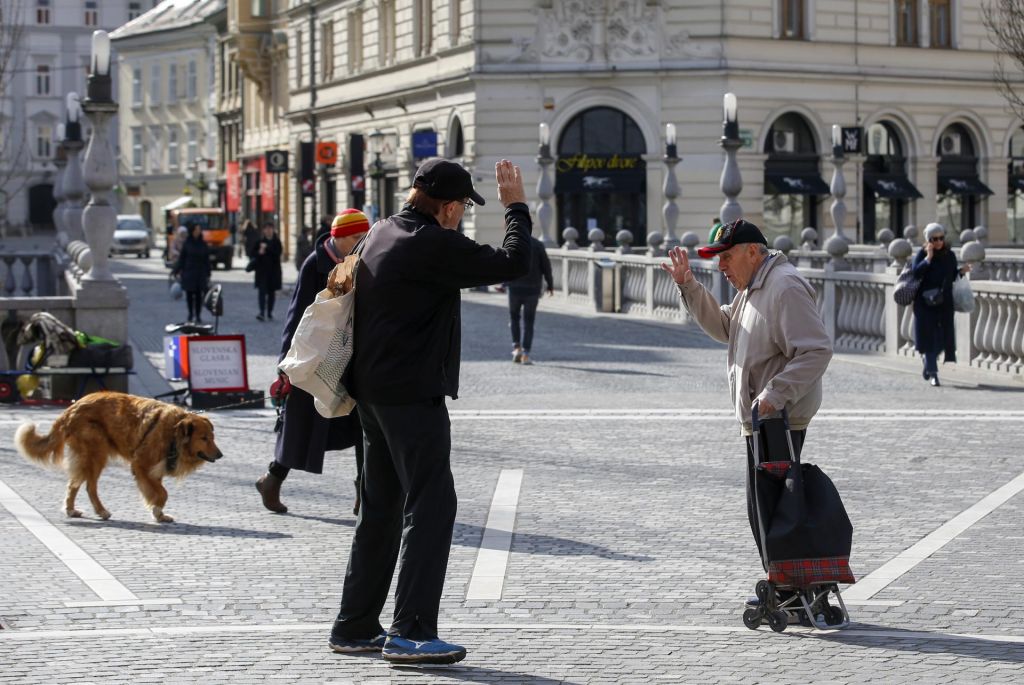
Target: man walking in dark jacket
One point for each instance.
(523, 296)
(406, 359)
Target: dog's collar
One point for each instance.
(172, 456)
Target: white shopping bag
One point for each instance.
(963, 296)
(321, 350)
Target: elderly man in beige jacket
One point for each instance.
(778, 346)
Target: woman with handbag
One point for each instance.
(305, 435)
(936, 267)
(266, 262)
(193, 269)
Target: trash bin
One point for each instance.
(605, 275)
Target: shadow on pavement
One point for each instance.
(615, 372)
(904, 640)
(479, 674)
(179, 528)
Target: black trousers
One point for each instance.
(194, 300)
(527, 303)
(773, 447)
(408, 510)
(266, 300)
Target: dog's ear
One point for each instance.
(185, 428)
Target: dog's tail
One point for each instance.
(45, 449)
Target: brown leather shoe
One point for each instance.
(269, 487)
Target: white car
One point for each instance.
(132, 236)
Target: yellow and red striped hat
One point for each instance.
(349, 222)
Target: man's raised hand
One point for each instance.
(680, 268)
(510, 183)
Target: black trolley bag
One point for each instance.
(803, 531)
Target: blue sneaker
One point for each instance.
(344, 645)
(436, 651)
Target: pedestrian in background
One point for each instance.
(305, 435)
(936, 266)
(406, 359)
(266, 263)
(250, 237)
(323, 228)
(523, 298)
(193, 270)
(778, 346)
(303, 246)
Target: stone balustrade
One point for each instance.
(856, 305)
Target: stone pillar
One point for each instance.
(670, 210)
(838, 245)
(74, 189)
(99, 219)
(60, 160)
(545, 191)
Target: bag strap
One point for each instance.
(755, 426)
(358, 252)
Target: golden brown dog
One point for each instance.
(155, 438)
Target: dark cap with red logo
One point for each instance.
(730, 235)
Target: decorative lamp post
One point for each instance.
(99, 218)
(545, 189)
(74, 184)
(670, 211)
(375, 143)
(838, 245)
(60, 160)
(731, 182)
(195, 176)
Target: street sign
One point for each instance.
(424, 144)
(747, 136)
(327, 153)
(853, 139)
(277, 161)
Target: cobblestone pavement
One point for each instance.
(631, 553)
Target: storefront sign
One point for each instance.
(424, 144)
(583, 173)
(277, 161)
(233, 192)
(327, 153)
(853, 137)
(217, 362)
(266, 188)
(587, 163)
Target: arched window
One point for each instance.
(792, 182)
(455, 144)
(887, 190)
(960, 188)
(1015, 204)
(600, 174)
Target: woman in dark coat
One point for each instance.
(305, 435)
(936, 266)
(193, 269)
(250, 238)
(266, 263)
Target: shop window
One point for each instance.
(940, 14)
(1015, 195)
(888, 191)
(92, 13)
(906, 22)
(792, 180)
(961, 190)
(791, 19)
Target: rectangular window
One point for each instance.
(192, 154)
(327, 50)
(454, 20)
(137, 150)
(134, 10)
(172, 149)
(155, 86)
(906, 22)
(136, 87)
(44, 140)
(355, 40)
(298, 58)
(424, 28)
(92, 14)
(259, 8)
(172, 83)
(941, 14)
(193, 85)
(791, 21)
(43, 79)
(42, 11)
(386, 31)
(155, 150)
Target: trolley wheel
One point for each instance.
(763, 589)
(833, 615)
(752, 619)
(778, 620)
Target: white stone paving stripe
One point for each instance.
(106, 586)
(793, 632)
(488, 577)
(873, 583)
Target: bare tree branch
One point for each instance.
(1004, 20)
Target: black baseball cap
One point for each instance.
(445, 180)
(734, 233)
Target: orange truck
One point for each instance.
(214, 222)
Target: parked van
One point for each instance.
(214, 222)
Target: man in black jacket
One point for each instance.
(406, 359)
(523, 296)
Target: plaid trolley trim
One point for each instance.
(776, 468)
(804, 572)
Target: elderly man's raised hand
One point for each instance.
(680, 268)
(510, 183)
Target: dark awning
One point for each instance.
(785, 183)
(892, 186)
(1017, 184)
(963, 185)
